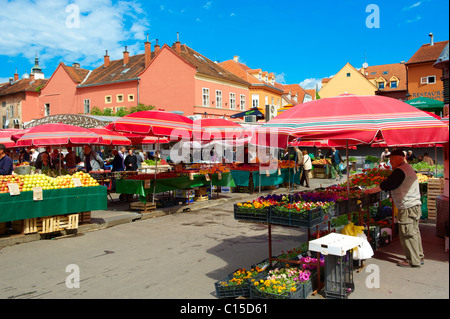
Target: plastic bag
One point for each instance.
(351, 230)
(364, 251)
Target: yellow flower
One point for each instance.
(256, 283)
(293, 289)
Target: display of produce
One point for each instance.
(422, 178)
(321, 161)
(369, 177)
(151, 162)
(27, 182)
(424, 166)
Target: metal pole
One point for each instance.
(348, 173)
(156, 170)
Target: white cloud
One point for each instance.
(46, 27)
(412, 6)
(417, 18)
(208, 5)
(279, 78)
(311, 83)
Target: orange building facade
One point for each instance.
(423, 79)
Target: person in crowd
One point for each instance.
(101, 153)
(139, 158)
(6, 163)
(131, 161)
(117, 163)
(427, 159)
(24, 156)
(55, 157)
(385, 155)
(33, 156)
(299, 156)
(123, 154)
(410, 157)
(306, 169)
(336, 159)
(92, 161)
(43, 160)
(403, 186)
(70, 159)
(319, 154)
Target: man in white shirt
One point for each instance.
(34, 155)
(385, 155)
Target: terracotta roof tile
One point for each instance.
(77, 74)
(22, 86)
(208, 67)
(387, 71)
(427, 52)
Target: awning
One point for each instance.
(426, 104)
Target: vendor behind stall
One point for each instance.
(92, 161)
(404, 188)
(6, 163)
(131, 162)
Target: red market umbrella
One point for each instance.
(56, 134)
(319, 144)
(5, 137)
(217, 129)
(111, 137)
(359, 120)
(154, 123)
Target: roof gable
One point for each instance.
(22, 86)
(428, 53)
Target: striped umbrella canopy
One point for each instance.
(154, 123)
(445, 119)
(111, 137)
(320, 144)
(217, 129)
(56, 134)
(358, 120)
(6, 134)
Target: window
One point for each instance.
(119, 97)
(108, 99)
(205, 97)
(130, 97)
(385, 72)
(87, 106)
(242, 102)
(3, 104)
(381, 85)
(260, 76)
(218, 98)
(11, 112)
(47, 109)
(232, 101)
(394, 84)
(255, 100)
(348, 75)
(428, 79)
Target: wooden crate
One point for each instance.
(434, 189)
(201, 198)
(84, 218)
(47, 224)
(69, 221)
(142, 207)
(25, 226)
(2, 228)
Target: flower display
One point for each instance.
(241, 276)
(282, 281)
(369, 177)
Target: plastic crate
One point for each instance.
(374, 198)
(292, 217)
(248, 214)
(339, 275)
(234, 291)
(341, 207)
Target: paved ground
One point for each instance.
(180, 255)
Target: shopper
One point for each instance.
(6, 163)
(385, 155)
(92, 161)
(403, 186)
(306, 169)
(427, 159)
(130, 162)
(410, 157)
(33, 156)
(336, 159)
(117, 163)
(70, 159)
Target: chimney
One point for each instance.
(11, 81)
(236, 58)
(178, 44)
(106, 60)
(431, 39)
(76, 65)
(126, 56)
(148, 52)
(31, 77)
(156, 46)
(16, 76)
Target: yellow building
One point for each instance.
(347, 80)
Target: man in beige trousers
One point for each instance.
(405, 192)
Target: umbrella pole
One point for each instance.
(156, 170)
(435, 159)
(348, 173)
(60, 160)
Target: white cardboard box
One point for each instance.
(335, 244)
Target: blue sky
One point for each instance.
(300, 41)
